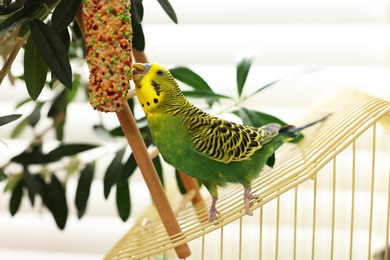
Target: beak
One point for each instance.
(139, 70)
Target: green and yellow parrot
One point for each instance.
(211, 149)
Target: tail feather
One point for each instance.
(293, 131)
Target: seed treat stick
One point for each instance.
(106, 27)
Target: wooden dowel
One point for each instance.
(139, 56)
(149, 173)
(153, 153)
(80, 21)
(184, 200)
(191, 184)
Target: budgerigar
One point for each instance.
(211, 149)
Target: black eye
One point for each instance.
(160, 73)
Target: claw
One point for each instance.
(247, 200)
(213, 212)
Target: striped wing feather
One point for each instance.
(226, 141)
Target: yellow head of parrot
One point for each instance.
(156, 88)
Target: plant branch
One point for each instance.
(20, 41)
(8, 63)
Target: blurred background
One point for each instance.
(347, 42)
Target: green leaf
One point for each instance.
(137, 11)
(35, 70)
(65, 37)
(146, 135)
(113, 172)
(117, 131)
(10, 8)
(158, 166)
(271, 160)
(34, 184)
(36, 2)
(83, 189)
(243, 67)
(190, 78)
(168, 9)
(199, 93)
(13, 180)
(24, 29)
(18, 17)
(16, 198)
(21, 103)
(53, 51)
(130, 102)
(256, 118)
(138, 37)
(64, 14)
(8, 119)
(128, 168)
(60, 131)
(3, 176)
(76, 31)
(55, 200)
(57, 111)
(35, 155)
(34, 117)
(287, 78)
(32, 156)
(179, 183)
(101, 131)
(69, 149)
(201, 88)
(19, 128)
(6, 3)
(123, 201)
(76, 85)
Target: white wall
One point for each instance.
(348, 40)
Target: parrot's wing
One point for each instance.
(226, 141)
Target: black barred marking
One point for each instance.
(222, 129)
(228, 124)
(222, 140)
(156, 87)
(216, 138)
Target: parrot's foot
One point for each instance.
(247, 200)
(213, 212)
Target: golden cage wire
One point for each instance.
(326, 198)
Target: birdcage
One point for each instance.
(327, 197)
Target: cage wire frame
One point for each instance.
(327, 197)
